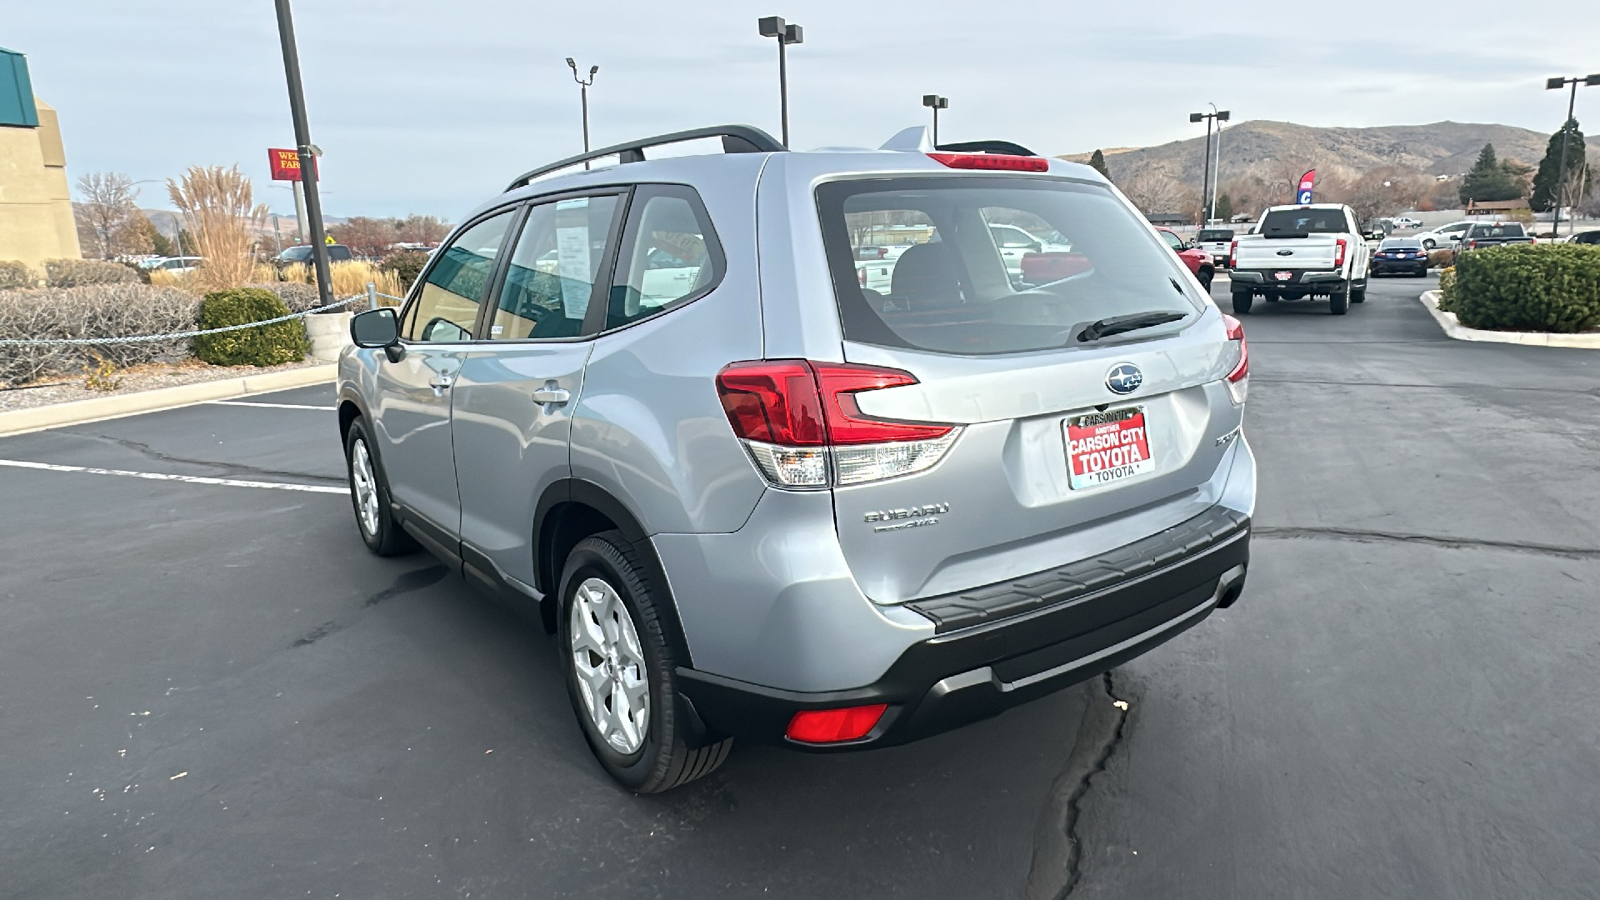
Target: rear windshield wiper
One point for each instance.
(1131, 322)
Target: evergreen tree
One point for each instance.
(1224, 207)
(1545, 180)
(1490, 179)
(1098, 163)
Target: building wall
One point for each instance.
(36, 221)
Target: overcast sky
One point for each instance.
(429, 107)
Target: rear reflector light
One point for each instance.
(1338, 252)
(801, 424)
(994, 161)
(831, 726)
(1238, 380)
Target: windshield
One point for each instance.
(296, 254)
(1303, 221)
(962, 287)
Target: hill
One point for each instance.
(1280, 151)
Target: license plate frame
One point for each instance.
(1112, 446)
(1283, 276)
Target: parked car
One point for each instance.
(778, 506)
(1403, 255)
(1405, 222)
(1443, 238)
(1585, 237)
(1216, 242)
(1198, 261)
(1014, 243)
(875, 265)
(1494, 234)
(300, 254)
(177, 265)
(1301, 251)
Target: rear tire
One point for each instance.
(1428, 244)
(369, 494)
(616, 634)
(1242, 301)
(1206, 276)
(1339, 300)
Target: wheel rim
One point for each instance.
(366, 487)
(610, 666)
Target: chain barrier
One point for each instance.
(144, 338)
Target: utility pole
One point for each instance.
(1556, 84)
(776, 27)
(583, 88)
(308, 151)
(935, 103)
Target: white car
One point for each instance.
(1405, 222)
(875, 265)
(1014, 243)
(1444, 238)
(177, 265)
(1296, 252)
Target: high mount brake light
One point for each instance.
(1238, 380)
(993, 161)
(801, 423)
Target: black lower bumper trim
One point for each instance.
(973, 673)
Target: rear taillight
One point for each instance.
(1338, 252)
(1238, 380)
(1233, 255)
(995, 161)
(831, 726)
(861, 276)
(801, 423)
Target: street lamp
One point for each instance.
(1207, 202)
(1556, 84)
(583, 88)
(935, 103)
(776, 27)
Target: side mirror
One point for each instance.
(1035, 247)
(378, 328)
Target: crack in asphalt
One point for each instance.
(1365, 536)
(404, 583)
(230, 468)
(1099, 736)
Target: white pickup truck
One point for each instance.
(1301, 251)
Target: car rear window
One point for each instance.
(1400, 244)
(1508, 229)
(1212, 234)
(1282, 222)
(989, 264)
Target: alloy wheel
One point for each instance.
(366, 487)
(610, 666)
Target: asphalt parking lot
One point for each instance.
(210, 689)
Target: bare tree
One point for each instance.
(106, 210)
(219, 210)
(1155, 194)
(366, 236)
(421, 230)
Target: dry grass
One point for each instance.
(348, 278)
(219, 209)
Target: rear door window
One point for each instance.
(956, 289)
(550, 278)
(446, 308)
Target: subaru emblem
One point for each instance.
(1124, 379)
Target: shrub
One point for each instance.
(15, 276)
(267, 345)
(406, 266)
(1447, 288)
(103, 310)
(297, 297)
(1528, 287)
(70, 273)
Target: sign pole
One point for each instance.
(308, 162)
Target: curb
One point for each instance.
(1453, 328)
(21, 421)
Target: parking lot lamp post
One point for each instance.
(583, 88)
(308, 152)
(935, 103)
(776, 27)
(1556, 84)
(1206, 200)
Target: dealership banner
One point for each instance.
(1307, 182)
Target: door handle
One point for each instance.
(552, 394)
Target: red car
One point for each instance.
(1198, 261)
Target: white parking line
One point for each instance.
(191, 479)
(271, 405)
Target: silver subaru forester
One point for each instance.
(834, 449)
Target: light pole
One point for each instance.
(935, 103)
(776, 27)
(583, 88)
(1556, 84)
(1206, 200)
(308, 152)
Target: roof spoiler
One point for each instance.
(916, 140)
(735, 139)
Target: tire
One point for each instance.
(1242, 301)
(369, 495)
(617, 598)
(1339, 300)
(1359, 295)
(1206, 276)
(1428, 244)
(1422, 272)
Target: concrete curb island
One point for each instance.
(20, 421)
(1454, 329)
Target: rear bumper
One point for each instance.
(1380, 266)
(1011, 643)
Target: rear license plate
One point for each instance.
(1283, 276)
(1106, 447)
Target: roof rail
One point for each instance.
(735, 139)
(987, 147)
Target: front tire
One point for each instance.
(620, 670)
(1241, 302)
(369, 493)
(1428, 244)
